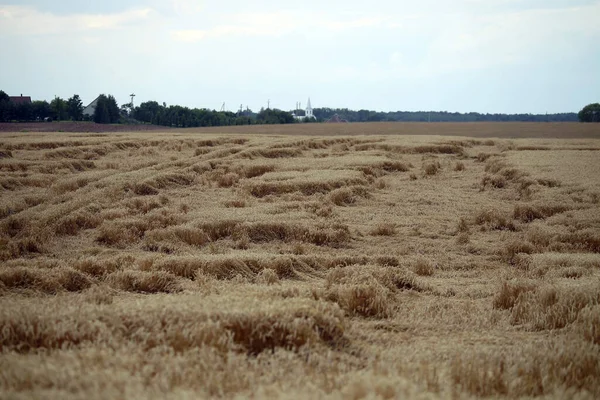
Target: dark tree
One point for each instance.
(107, 110)
(590, 113)
(146, 111)
(58, 108)
(24, 112)
(6, 107)
(75, 108)
(40, 110)
(274, 116)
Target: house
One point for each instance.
(91, 108)
(302, 114)
(18, 100)
(336, 120)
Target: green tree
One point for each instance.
(274, 116)
(107, 110)
(590, 113)
(75, 108)
(6, 107)
(24, 112)
(40, 110)
(58, 109)
(146, 111)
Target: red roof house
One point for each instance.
(20, 99)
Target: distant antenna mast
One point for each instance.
(223, 107)
(268, 104)
(132, 95)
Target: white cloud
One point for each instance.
(283, 23)
(23, 21)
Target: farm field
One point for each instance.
(306, 261)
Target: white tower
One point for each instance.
(309, 110)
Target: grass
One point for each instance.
(321, 261)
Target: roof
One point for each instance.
(20, 99)
(336, 119)
(91, 108)
(93, 103)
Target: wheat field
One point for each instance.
(301, 262)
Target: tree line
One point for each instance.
(107, 111)
(40, 110)
(151, 112)
(323, 114)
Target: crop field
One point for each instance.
(311, 261)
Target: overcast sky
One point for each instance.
(507, 56)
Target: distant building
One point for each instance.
(18, 100)
(91, 108)
(303, 114)
(336, 120)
